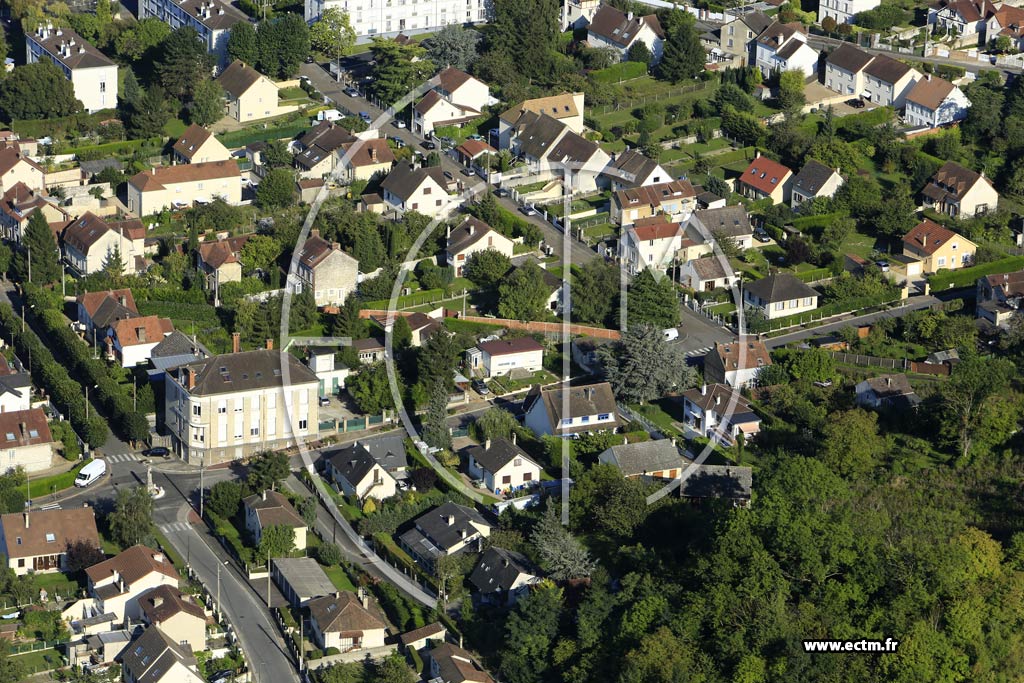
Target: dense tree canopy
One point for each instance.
(37, 91)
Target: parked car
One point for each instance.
(157, 452)
(427, 144)
(466, 171)
(762, 237)
(351, 92)
(365, 117)
(503, 192)
(449, 176)
(399, 142)
(325, 401)
(475, 137)
(856, 103)
(527, 210)
(480, 388)
(883, 266)
(399, 123)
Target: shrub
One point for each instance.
(328, 554)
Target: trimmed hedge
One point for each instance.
(241, 138)
(952, 279)
(623, 71)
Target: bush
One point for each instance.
(328, 555)
(63, 433)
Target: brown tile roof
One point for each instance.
(11, 156)
(632, 164)
(557, 106)
(656, 228)
(238, 78)
(404, 179)
(619, 28)
(429, 100)
(890, 386)
(24, 428)
(430, 630)
(502, 347)
(745, 355)
(969, 10)
(315, 249)
(91, 301)
(469, 232)
(245, 371)
(849, 58)
(765, 175)
(149, 329)
(163, 602)
(709, 268)
(1011, 20)
(1012, 284)
(320, 142)
(451, 79)
(87, 229)
(132, 565)
(20, 200)
(777, 34)
(272, 508)
(927, 236)
(593, 399)
(955, 179)
(654, 195)
(369, 153)
(458, 666)
(930, 92)
(159, 178)
(368, 344)
(886, 69)
(194, 137)
(474, 148)
(216, 254)
(62, 526)
(342, 613)
(68, 48)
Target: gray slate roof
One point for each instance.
(352, 463)
(500, 453)
(537, 138)
(304, 576)
(499, 568)
(718, 481)
(812, 177)
(640, 458)
(731, 221)
(436, 526)
(780, 287)
(387, 449)
(246, 371)
(150, 656)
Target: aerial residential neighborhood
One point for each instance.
(518, 341)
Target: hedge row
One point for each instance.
(200, 313)
(623, 71)
(966, 277)
(53, 378)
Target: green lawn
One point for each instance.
(41, 660)
(174, 128)
(339, 577)
(504, 385)
(859, 244)
(169, 550)
(45, 486)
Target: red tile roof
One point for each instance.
(927, 236)
(132, 565)
(656, 228)
(765, 175)
(49, 532)
(159, 178)
(24, 428)
(148, 329)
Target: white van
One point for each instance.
(91, 472)
(671, 334)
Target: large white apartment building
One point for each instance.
(212, 20)
(381, 17)
(92, 74)
(843, 11)
(233, 405)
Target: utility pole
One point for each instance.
(268, 579)
(202, 490)
(219, 608)
(29, 262)
(86, 402)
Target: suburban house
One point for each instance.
(183, 185)
(271, 508)
(471, 150)
(25, 439)
(888, 81)
(419, 638)
(330, 373)
(503, 356)
(154, 657)
(675, 198)
(197, 146)
(647, 460)
(843, 11)
(117, 584)
(584, 159)
(535, 137)
(934, 102)
(965, 18)
(221, 262)
(502, 466)
(427, 16)
(92, 74)
(999, 297)
(612, 29)
(957, 191)
(630, 168)
(783, 47)
(651, 243)
(131, 340)
(365, 158)
(503, 576)
(369, 350)
(590, 409)
(38, 541)
(886, 392)
(388, 450)
(1007, 21)
(451, 664)
(780, 295)
(300, 579)
(720, 413)
(318, 149)
(91, 243)
(813, 181)
(425, 190)
(472, 236)
(566, 108)
(445, 530)
(15, 386)
(340, 621)
(173, 350)
(938, 247)
(705, 274)
(250, 95)
(327, 270)
(844, 69)
(718, 482)
(17, 204)
(736, 363)
(421, 326)
(456, 99)
(730, 222)
(177, 614)
(357, 473)
(765, 178)
(212, 20)
(16, 167)
(225, 407)
(738, 34)
(97, 311)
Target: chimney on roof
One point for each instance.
(364, 599)
(157, 601)
(462, 533)
(487, 445)
(513, 437)
(270, 345)
(26, 520)
(450, 519)
(448, 234)
(140, 332)
(924, 239)
(373, 154)
(24, 429)
(236, 342)
(315, 232)
(158, 558)
(335, 246)
(629, 16)
(264, 494)
(718, 400)
(888, 381)
(122, 299)
(703, 389)
(472, 228)
(190, 379)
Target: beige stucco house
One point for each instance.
(90, 242)
(423, 190)
(92, 74)
(471, 237)
(250, 95)
(780, 295)
(16, 167)
(25, 440)
(938, 248)
(271, 508)
(38, 541)
(180, 186)
(456, 99)
(197, 145)
(341, 622)
(118, 584)
(960, 192)
(177, 614)
(327, 270)
(221, 261)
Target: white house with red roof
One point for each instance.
(18, 203)
(118, 583)
(183, 185)
(16, 167)
(1007, 21)
(765, 178)
(327, 270)
(90, 243)
(473, 236)
(651, 243)
(197, 145)
(783, 47)
(131, 340)
(456, 99)
(500, 356)
(613, 29)
(965, 17)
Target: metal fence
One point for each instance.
(646, 99)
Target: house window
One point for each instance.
(197, 409)
(254, 431)
(302, 424)
(942, 261)
(779, 306)
(566, 420)
(518, 462)
(426, 190)
(527, 476)
(222, 407)
(585, 419)
(603, 416)
(808, 300)
(507, 479)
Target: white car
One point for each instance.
(399, 123)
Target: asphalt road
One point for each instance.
(915, 304)
(325, 83)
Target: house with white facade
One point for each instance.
(567, 108)
(736, 363)
(177, 614)
(229, 406)
(965, 18)
(249, 95)
(677, 199)
(423, 190)
(843, 11)
(473, 236)
(502, 466)
(814, 180)
(886, 392)
(780, 295)
(720, 413)
(451, 664)
(613, 29)
(272, 508)
(1007, 21)
(502, 577)
(651, 243)
(727, 222)
(183, 185)
(25, 439)
(330, 272)
(844, 70)
(341, 621)
(17, 204)
(357, 473)
(456, 99)
(197, 145)
(383, 18)
(154, 657)
(630, 168)
(15, 386)
(317, 150)
(646, 460)
(783, 47)
(568, 411)
(37, 541)
(92, 74)
(212, 20)
(131, 340)
(934, 102)
(17, 167)
(583, 160)
(887, 81)
(500, 356)
(97, 311)
(118, 583)
(448, 529)
(958, 191)
(705, 274)
(91, 243)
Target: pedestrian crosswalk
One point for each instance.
(698, 352)
(121, 457)
(172, 526)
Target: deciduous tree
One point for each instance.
(225, 498)
(267, 470)
(486, 268)
(455, 46)
(523, 295)
(283, 45)
(643, 366)
(277, 189)
(131, 522)
(332, 34)
(37, 91)
(243, 43)
(207, 103)
(276, 540)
